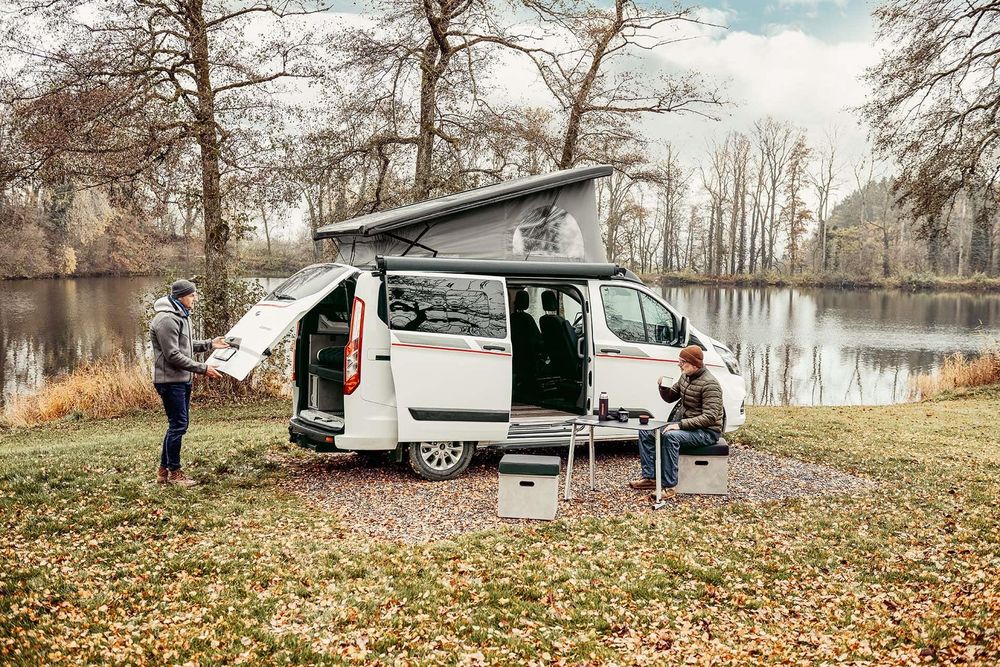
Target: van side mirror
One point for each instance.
(682, 333)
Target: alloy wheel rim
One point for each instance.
(440, 455)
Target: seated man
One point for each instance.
(700, 422)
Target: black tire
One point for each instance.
(439, 461)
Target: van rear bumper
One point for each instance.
(312, 437)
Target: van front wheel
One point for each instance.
(441, 460)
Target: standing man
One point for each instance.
(700, 421)
(173, 369)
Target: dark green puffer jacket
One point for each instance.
(701, 400)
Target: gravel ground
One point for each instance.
(386, 500)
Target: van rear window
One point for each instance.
(307, 282)
(447, 305)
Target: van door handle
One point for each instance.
(498, 348)
(611, 349)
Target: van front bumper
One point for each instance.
(312, 437)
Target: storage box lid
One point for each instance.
(529, 464)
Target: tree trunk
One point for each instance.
(217, 317)
(432, 64)
(885, 249)
(267, 232)
(582, 96)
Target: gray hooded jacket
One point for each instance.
(173, 349)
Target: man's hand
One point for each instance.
(213, 372)
(672, 427)
(659, 381)
(219, 343)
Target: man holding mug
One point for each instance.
(173, 369)
(699, 425)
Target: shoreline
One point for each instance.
(979, 284)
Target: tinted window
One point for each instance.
(623, 313)
(660, 324)
(447, 305)
(306, 282)
(636, 317)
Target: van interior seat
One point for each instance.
(526, 340)
(559, 338)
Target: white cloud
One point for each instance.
(789, 75)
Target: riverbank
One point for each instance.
(99, 564)
(910, 282)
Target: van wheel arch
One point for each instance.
(441, 460)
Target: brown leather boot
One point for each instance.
(161, 475)
(179, 478)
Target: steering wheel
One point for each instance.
(578, 323)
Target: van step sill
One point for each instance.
(324, 419)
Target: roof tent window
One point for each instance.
(547, 231)
(447, 305)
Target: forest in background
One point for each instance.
(159, 134)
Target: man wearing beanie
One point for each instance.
(700, 422)
(173, 369)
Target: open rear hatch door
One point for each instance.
(271, 318)
(451, 356)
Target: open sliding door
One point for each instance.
(451, 356)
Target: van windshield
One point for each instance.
(306, 282)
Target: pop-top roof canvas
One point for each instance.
(548, 217)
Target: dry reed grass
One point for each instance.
(99, 390)
(114, 387)
(957, 371)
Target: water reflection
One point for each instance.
(49, 327)
(795, 346)
(832, 347)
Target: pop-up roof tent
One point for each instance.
(548, 217)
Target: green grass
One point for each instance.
(99, 564)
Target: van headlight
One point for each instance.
(729, 359)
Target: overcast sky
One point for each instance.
(796, 60)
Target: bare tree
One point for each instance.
(934, 105)
(824, 182)
(129, 84)
(595, 81)
(794, 211)
(673, 186)
(775, 141)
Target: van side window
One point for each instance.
(623, 313)
(636, 317)
(661, 328)
(447, 305)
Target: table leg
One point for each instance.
(592, 485)
(659, 467)
(569, 463)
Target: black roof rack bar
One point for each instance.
(499, 267)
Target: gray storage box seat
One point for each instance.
(704, 470)
(529, 486)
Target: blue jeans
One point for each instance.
(671, 443)
(176, 402)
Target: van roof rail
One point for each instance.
(506, 268)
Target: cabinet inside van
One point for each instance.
(319, 357)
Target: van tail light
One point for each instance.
(295, 344)
(352, 353)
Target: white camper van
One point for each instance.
(432, 357)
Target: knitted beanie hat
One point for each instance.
(692, 354)
(181, 288)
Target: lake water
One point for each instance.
(795, 346)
